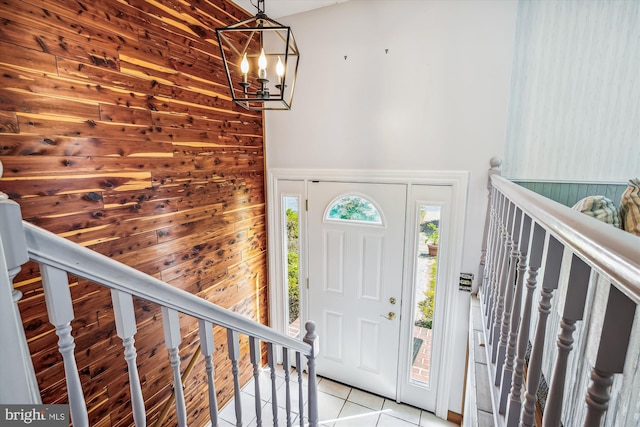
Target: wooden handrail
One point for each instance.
(613, 252)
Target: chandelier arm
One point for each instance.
(246, 46)
(228, 44)
(282, 38)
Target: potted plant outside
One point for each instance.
(432, 239)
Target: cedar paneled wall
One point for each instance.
(117, 132)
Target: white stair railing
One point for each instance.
(58, 257)
(588, 299)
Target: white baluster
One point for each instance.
(60, 310)
(311, 338)
(172, 339)
(16, 367)
(535, 261)
(494, 273)
(254, 351)
(497, 262)
(573, 310)
(234, 353)
(287, 368)
(508, 298)
(495, 163)
(300, 389)
(607, 351)
(491, 249)
(514, 321)
(507, 244)
(549, 284)
(207, 348)
(126, 329)
(271, 359)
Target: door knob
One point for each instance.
(390, 316)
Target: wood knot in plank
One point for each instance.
(43, 46)
(200, 31)
(92, 197)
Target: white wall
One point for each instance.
(575, 99)
(436, 100)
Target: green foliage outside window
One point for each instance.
(354, 208)
(292, 264)
(292, 230)
(430, 228)
(294, 288)
(428, 303)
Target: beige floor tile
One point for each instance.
(403, 412)
(333, 388)
(368, 400)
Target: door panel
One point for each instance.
(334, 257)
(355, 270)
(371, 285)
(369, 333)
(334, 341)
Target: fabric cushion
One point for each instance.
(600, 208)
(630, 207)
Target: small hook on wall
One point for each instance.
(345, 57)
(386, 51)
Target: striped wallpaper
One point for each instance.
(575, 94)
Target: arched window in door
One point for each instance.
(353, 208)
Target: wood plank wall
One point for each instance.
(117, 132)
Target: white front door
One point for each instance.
(355, 280)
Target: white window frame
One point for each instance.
(277, 249)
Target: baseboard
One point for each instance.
(454, 418)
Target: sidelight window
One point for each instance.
(427, 234)
(292, 227)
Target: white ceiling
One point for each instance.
(279, 8)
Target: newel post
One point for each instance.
(17, 376)
(311, 338)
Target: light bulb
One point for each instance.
(280, 68)
(262, 60)
(244, 65)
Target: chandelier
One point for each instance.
(260, 58)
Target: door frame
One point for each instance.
(457, 180)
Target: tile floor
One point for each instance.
(339, 406)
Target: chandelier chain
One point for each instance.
(259, 6)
